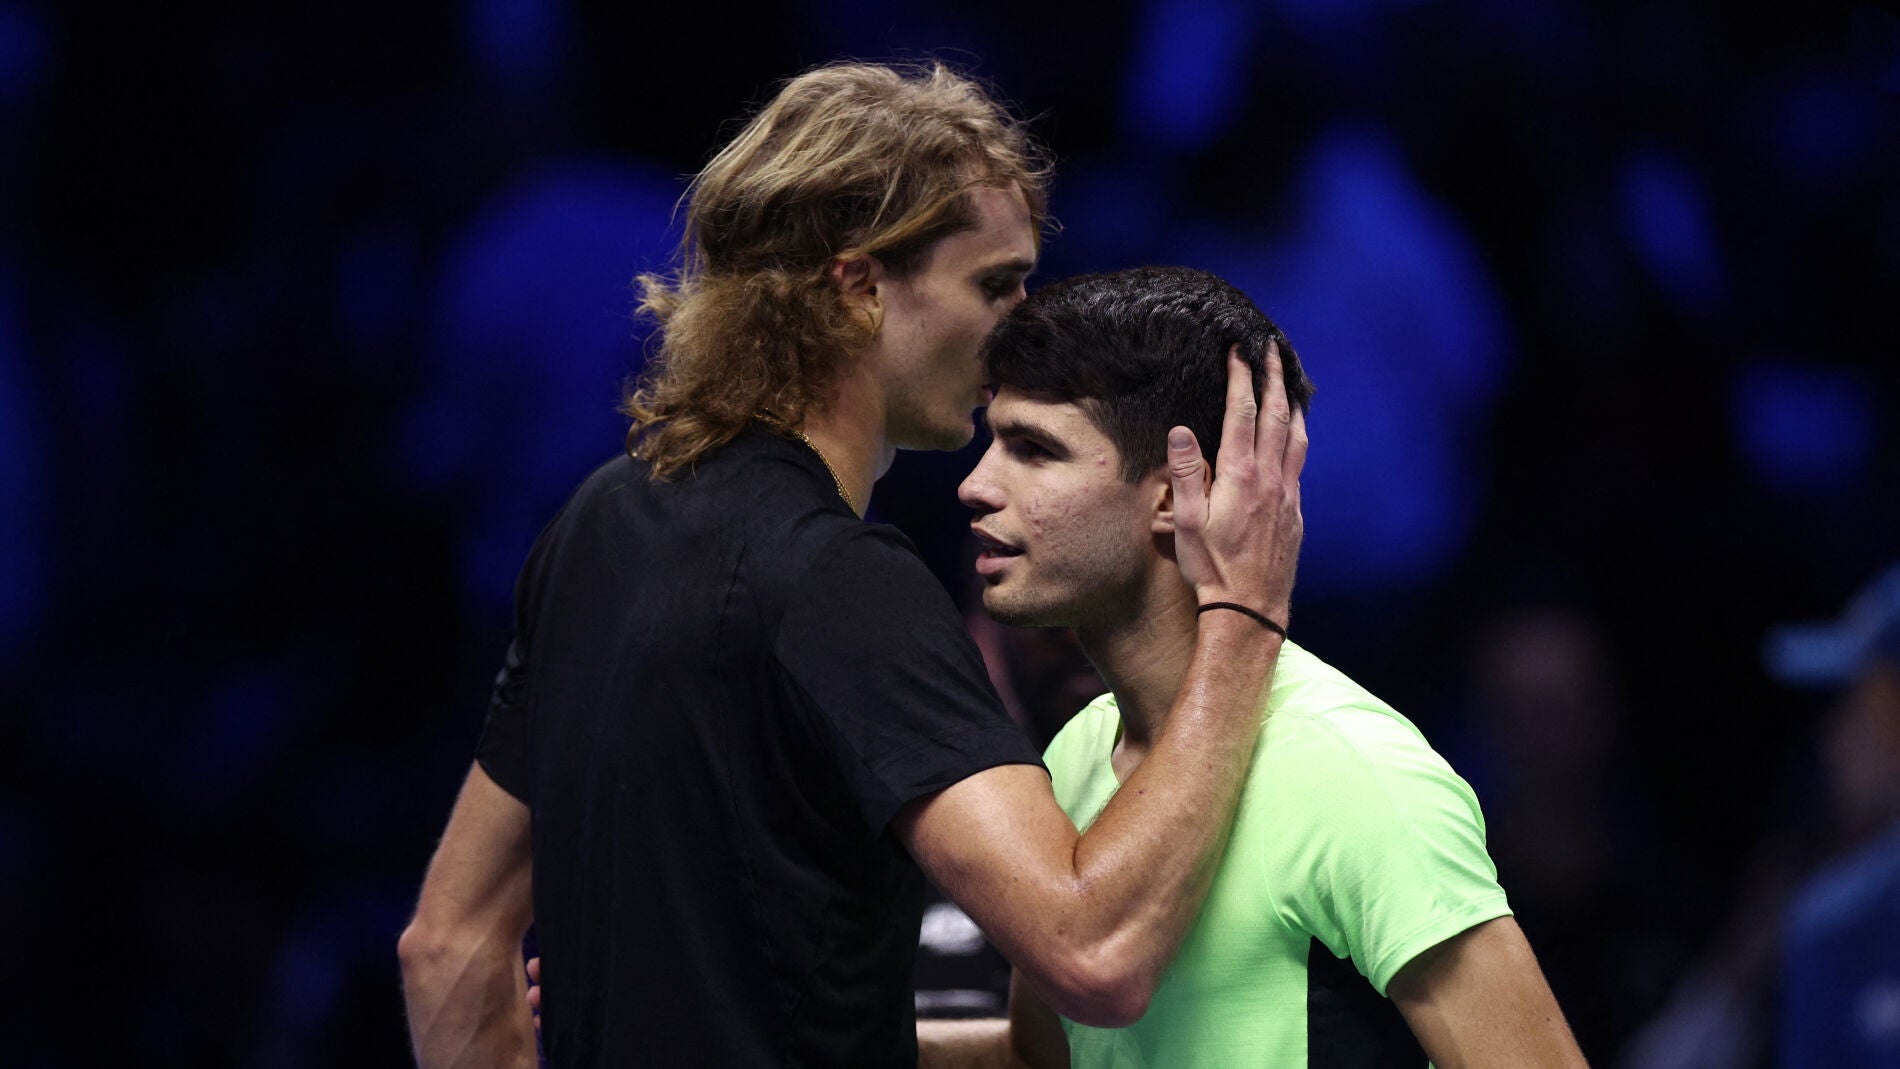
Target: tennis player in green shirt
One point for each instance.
(1355, 918)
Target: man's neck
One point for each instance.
(1144, 659)
(848, 432)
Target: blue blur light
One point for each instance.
(521, 40)
(1805, 431)
(244, 724)
(25, 547)
(533, 336)
(1188, 76)
(1823, 131)
(26, 52)
(1315, 13)
(1666, 215)
(916, 32)
(377, 276)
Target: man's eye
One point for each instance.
(999, 288)
(1022, 447)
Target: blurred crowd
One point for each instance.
(310, 317)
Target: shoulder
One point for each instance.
(772, 502)
(1336, 763)
(1319, 714)
(613, 479)
(1364, 834)
(824, 560)
(1309, 689)
(588, 509)
(858, 590)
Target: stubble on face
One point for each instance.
(1050, 487)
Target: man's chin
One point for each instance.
(945, 436)
(1008, 611)
(956, 435)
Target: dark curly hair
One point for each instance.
(1141, 351)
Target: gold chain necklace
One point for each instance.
(774, 421)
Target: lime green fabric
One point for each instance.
(1351, 830)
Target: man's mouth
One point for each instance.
(993, 554)
(990, 545)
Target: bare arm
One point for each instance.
(1031, 1038)
(1479, 1000)
(1092, 920)
(977, 1044)
(461, 956)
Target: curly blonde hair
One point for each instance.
(847, 160)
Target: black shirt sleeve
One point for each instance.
(503, 749)
(896, 688)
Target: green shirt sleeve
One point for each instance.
(1078, 761)
(1383, 851)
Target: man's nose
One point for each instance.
(976, 490)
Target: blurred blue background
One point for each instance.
(309, 318)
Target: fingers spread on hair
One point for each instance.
(1238, 429)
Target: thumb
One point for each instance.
(1187, 472)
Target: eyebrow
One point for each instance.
(1016, 427)
(1017, 265)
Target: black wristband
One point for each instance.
(1264, 622)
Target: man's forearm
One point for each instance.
(1151, 855)
(1092, 920)
(980, 1044)
(467, 1003)
(1030, 1038)
(461, 956)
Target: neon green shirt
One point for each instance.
(1354, 840)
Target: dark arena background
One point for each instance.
(310, 317)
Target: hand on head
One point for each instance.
(1237, 531)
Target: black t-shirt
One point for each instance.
(720, 691)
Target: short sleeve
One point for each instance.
(897, 690)
(1389, 853)
(503, 749)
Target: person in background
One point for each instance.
(1570, 822)
(1840, 949)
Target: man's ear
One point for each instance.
(857, 273)
(858, 276)
(1162, 519)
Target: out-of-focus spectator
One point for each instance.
(1806, 970)
(1840, 960)
(1570, 826)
